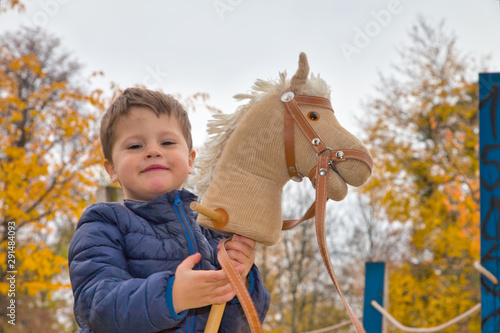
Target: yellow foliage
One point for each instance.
(424, 140)
(35, 266)
(49, 145)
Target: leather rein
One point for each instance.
(327, 159)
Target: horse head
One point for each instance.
(315, 125)
(277, 136)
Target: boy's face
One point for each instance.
(150, 155)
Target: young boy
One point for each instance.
(146, 265)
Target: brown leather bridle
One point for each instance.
(293, 115)
(327, 159)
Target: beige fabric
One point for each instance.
(250, 173)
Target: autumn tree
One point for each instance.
(362, 237)
(423, 132)
(49, 140)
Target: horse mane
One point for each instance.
(222, 125)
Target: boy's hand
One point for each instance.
(241, 250)
(195, 288)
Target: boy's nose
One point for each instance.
(153, 151)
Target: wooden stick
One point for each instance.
(214, 318)
(218, 216)
(217, 310)
(206, 211)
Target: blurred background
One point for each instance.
(404, 78)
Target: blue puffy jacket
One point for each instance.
(122, 262)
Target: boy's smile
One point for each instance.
(150, 155)
(154, 167)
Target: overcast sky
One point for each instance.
(222, 46)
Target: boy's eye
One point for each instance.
(167, 143)
(134, 147)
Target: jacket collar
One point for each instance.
(161, 209)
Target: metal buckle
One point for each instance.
(298, 178)
(328, 149)
(287, 97)
(330, 162)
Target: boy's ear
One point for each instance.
(191, 157)
(110, 169)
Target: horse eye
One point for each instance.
(313, 116)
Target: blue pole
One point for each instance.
(375, 287)
(489, 170)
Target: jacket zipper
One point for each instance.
(193, 247)
(181, 215)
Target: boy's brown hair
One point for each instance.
(158, 102)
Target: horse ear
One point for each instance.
(299, 79)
